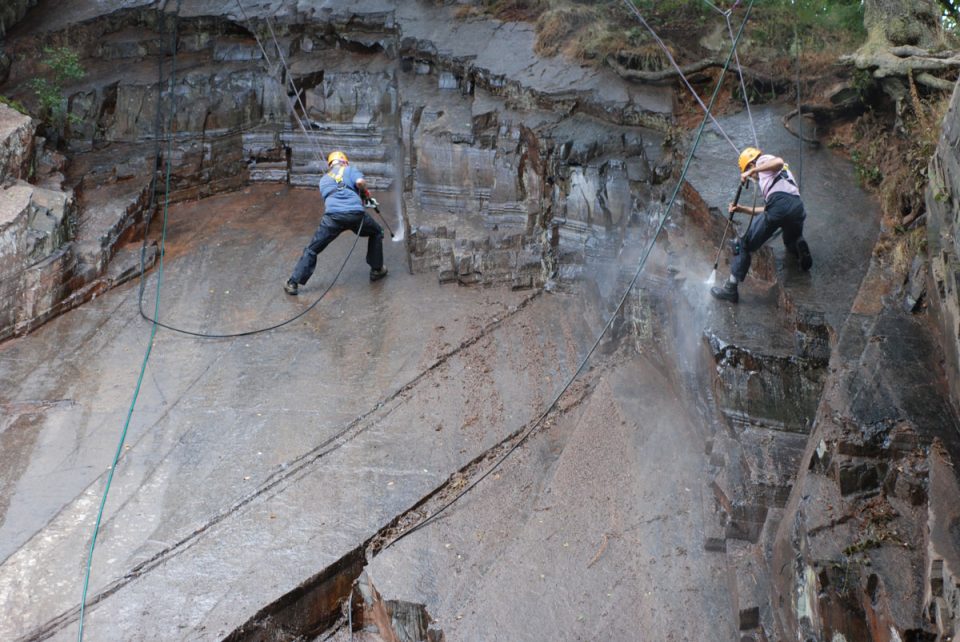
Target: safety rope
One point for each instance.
(289, 76)
(726, 13)
(629, 4)
(643, 261)
(153, 328)
(753, 209)
(246, 333)
(743, 86)
(796, 40)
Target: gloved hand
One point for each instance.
(374, 203)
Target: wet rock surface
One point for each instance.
(187, 440)
(781, 469)
(941, 201)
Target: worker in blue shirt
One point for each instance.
(344, 194)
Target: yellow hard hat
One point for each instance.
(337, 156)
(747, 156)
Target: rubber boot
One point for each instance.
(726, 292)
(376, 275)
(291, 287)
(803, 255)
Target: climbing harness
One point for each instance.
(319, 157)
(783, 175)
(338, 177)
(536, 423)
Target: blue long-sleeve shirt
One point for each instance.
(343, 196)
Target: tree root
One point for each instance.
(905, 60)
(929, 80)
(757, 77)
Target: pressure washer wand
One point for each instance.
(376, 208)
(716, 262)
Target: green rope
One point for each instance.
(149, 350)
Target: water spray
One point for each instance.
(376, 208)
(712, 279)
(398, 197)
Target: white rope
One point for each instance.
(743, 86)
(293, 85)
(726, 13)
(686, 82)
(296, 92)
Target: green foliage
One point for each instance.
(675, 7)
(951, 13)
(868, 172)
(14, 104)
(819, 23)
(64, 66)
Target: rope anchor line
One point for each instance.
(154, 320)
(319, 157)
(539, 421)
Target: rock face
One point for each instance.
(831, 440)
(506, 172)
(16, 144)
(56, 244)
(943, 290)
(860, 550)
(943, 237)
(35, 225)
(12, 12)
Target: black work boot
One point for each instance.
(726, 292)
(376, 275)
(803, 255)
(291, 287)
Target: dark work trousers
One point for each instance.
(331, 225)
(781, 211)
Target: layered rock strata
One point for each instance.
(943, 239)
(506, 176)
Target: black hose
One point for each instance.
(246, 333)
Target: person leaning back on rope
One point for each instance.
(345, 193)
(782, 209)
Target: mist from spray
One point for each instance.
(712, 279)
(398, 231)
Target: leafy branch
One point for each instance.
(64, 66)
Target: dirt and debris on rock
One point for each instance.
(432, 456)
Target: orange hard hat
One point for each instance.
(747, 156)
(337, 157)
